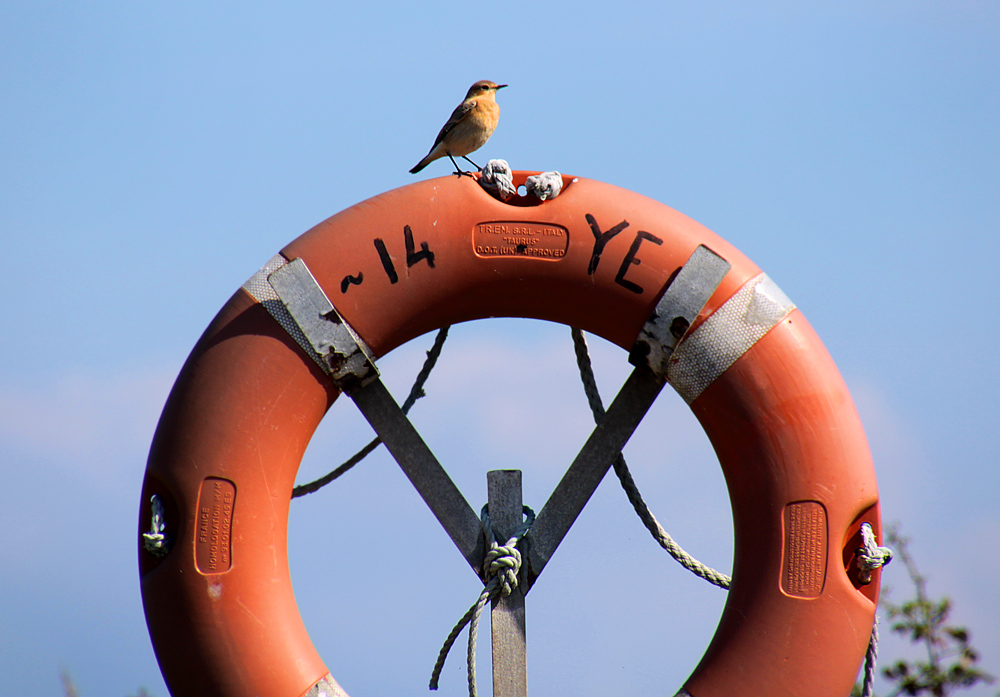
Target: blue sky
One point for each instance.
(154, 155)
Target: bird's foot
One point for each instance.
(458, 170)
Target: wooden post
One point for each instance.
(510, 675)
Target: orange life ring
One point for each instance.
(219, 604)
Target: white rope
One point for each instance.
(155, 541)
(628, 484)
(545, 185)
(498, 180)
(501, 570)
(871, 658)
(870, 556)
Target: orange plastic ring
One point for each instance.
(220, 606)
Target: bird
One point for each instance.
(470, 126)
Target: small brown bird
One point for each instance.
(470, 126)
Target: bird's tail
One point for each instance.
(436, 152)
(420, 165)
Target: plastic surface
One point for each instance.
(220, 606)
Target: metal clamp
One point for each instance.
(684, 298)
(344, 355)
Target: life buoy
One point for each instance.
(219, 603)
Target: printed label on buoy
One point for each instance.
(213, 548)
(804, 568)
(520, 239)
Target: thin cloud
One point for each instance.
(95, 426)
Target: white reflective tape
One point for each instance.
(728, 333)
(257, 285)
(262, 291)
(683, 299)
(327, 687)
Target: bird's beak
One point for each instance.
(500, 87)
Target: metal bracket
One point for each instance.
(683, 299)
(342, 352)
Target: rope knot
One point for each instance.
(155, 541)
(870, 556)
(503, 566)
(498, 180)
(545, 185)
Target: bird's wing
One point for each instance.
(456, 118)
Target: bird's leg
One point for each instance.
(472, 163)
(458, 170)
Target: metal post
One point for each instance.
(510, 675)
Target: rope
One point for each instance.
(155, 541)
(628, 484)
(870, 556)
(501, 570)
(871, 658)
(416, 392)
(503, 562)
(544, 186)
(498, 180)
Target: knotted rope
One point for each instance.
(498, 179)
(870, 557)
(501, 570)
(544, 186)
(503, 562)
(155, 541)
